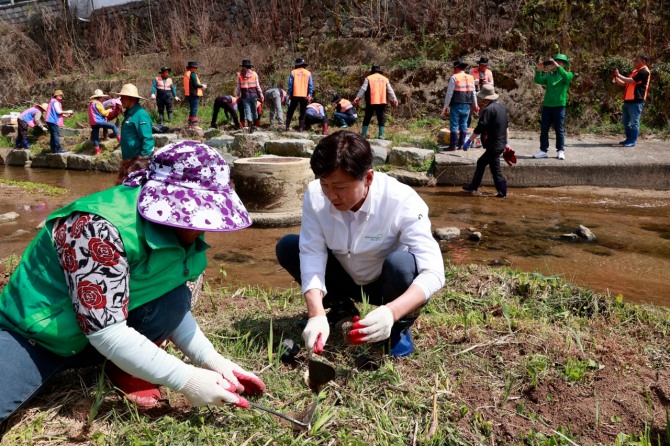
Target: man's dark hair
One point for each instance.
(644, 57)
(344, 150)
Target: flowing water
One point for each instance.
(631, 255)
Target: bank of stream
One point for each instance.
(631, 255)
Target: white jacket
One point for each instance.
(394, 218)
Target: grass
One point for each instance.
(33, 187)
(497, 362)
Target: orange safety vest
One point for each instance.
(484, 78)
(345, 105)
(187, 84)
(377, 87)
(629, 92)
(248, 82)
(300, 82)
(465, 83)
(163, 84)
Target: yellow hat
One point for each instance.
(59, 93)
(43, 106)
(129, 90)
(98, 94)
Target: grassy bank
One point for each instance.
(503, 357)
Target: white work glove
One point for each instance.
(375, 327)
(177, 99)
(204, 86)
(207, 387)
(153, 96)
(316, 333)
(44, 129)
(241, 380)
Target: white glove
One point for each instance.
(377, 324)
(207, 387)
(204, 86)
(177, 99)
(153, 96)
(316, 325)
(242, 380)
(44, 129)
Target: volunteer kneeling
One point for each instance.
(105, 279)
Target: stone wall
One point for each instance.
(20, 13)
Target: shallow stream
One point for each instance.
(631, 255)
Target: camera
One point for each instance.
(546, 63)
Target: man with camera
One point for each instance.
(554, 75)
(635, 93)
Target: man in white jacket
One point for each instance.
(362, 232)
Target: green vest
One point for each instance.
(36, 302)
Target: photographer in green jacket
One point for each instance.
(105, 279)
(554, 75)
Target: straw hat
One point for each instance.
(98, 94)
(43, 106)
(58, 93)
(129, 90)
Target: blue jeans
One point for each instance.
(193, 102)
(250, 112)
(344, 117)
(95, 131)
(552, 116)
(631, 118)
(458, 122)
(54, 138)
(26, 367)
(274, 105)
(398, 273)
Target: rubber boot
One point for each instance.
(461, 140)
(341, 123)
(501, 187)
(627, 140)
(364, 132)
(97, 150)
(160, 119)
(325, 128)
(301, 126)
(169, 117)
(257, 123)
(26, 144)
(632, 138)
(452, 143)
(143, 393)
(400, 342)
(381, 132)
(251, 127)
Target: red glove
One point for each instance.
(509, 156)
(356, 101)
(355, 336)
(252, 384)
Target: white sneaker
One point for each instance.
(540, 154)
(561, 155)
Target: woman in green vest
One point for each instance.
(107, 282)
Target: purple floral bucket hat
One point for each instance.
(187, 185)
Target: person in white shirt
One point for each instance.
(362, 232)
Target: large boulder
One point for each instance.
(223, 142)
(212, 133)
(410, 156)
(163, 139)
(81, 162)
(4, 152)
(39, 160)
(290, 147)
(69, 132)
(247, 145)
(18, 157)
(192, 133)
(380, 150)
(57, 160)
